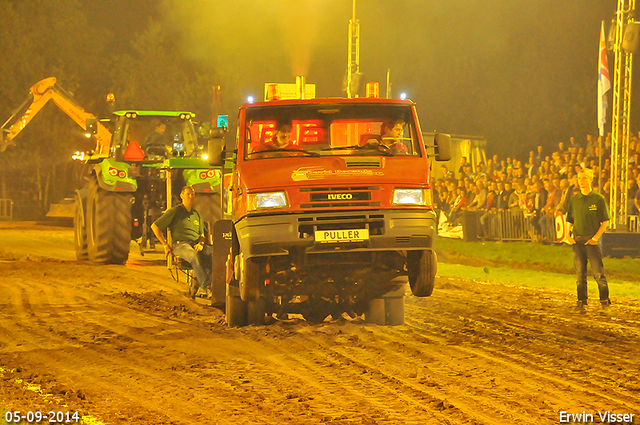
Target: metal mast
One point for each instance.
(620, 120)
(353, 66)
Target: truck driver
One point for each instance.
(391, 131)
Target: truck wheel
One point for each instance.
(394, 311)
(108, 226)
(375, 314)
(251, 281)
(236, 311)
(387, 310)
(256, 311)
(422, 267)
(208, 205)
(80, 234)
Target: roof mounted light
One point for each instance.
(373, 90)
(273, 92)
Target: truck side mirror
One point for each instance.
(442, 143)
(216, 146)
(91, 125)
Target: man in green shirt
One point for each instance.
(187, 233)
(588, 216)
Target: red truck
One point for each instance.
(335, 220)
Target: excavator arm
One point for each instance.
(41, 93)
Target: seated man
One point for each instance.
(156, 143)
(187, 232)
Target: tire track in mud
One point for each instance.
(542, 355)
(380, 398)
(516, 376)
(127, 379)
(553, 323)
(40, 327)
(424, 381)
(99, 337)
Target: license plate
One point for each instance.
(346, 235)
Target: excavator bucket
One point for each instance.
(5, 142)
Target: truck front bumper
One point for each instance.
(389, 230)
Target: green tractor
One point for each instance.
(126, 186)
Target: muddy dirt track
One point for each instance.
(124, 345)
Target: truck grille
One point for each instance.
(308, 225)
(336, 197)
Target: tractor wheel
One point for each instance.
(208, 205)
(80, 233)
(422, 267)
(108, 225)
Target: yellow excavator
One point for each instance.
(41, 93)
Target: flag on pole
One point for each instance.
(604, 83)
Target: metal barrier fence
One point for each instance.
(517, 226)
(508, 226)
(6, 209)
(633, 223)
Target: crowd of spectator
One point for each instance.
(537, 188)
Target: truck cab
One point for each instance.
(332, 217)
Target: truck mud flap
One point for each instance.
(221, 246)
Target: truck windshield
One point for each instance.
(160, 135)
(330, 130)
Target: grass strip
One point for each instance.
(555, 257)
(540, 279)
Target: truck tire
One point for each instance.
(80, 233)
(108, 226)
(394, 311)
(208, 205)
(388, 309)
(422, 267)
(376, 312)
(256, 311)
(251, 281)
(235, 308)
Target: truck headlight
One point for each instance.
(269, 200)
(411, 197)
